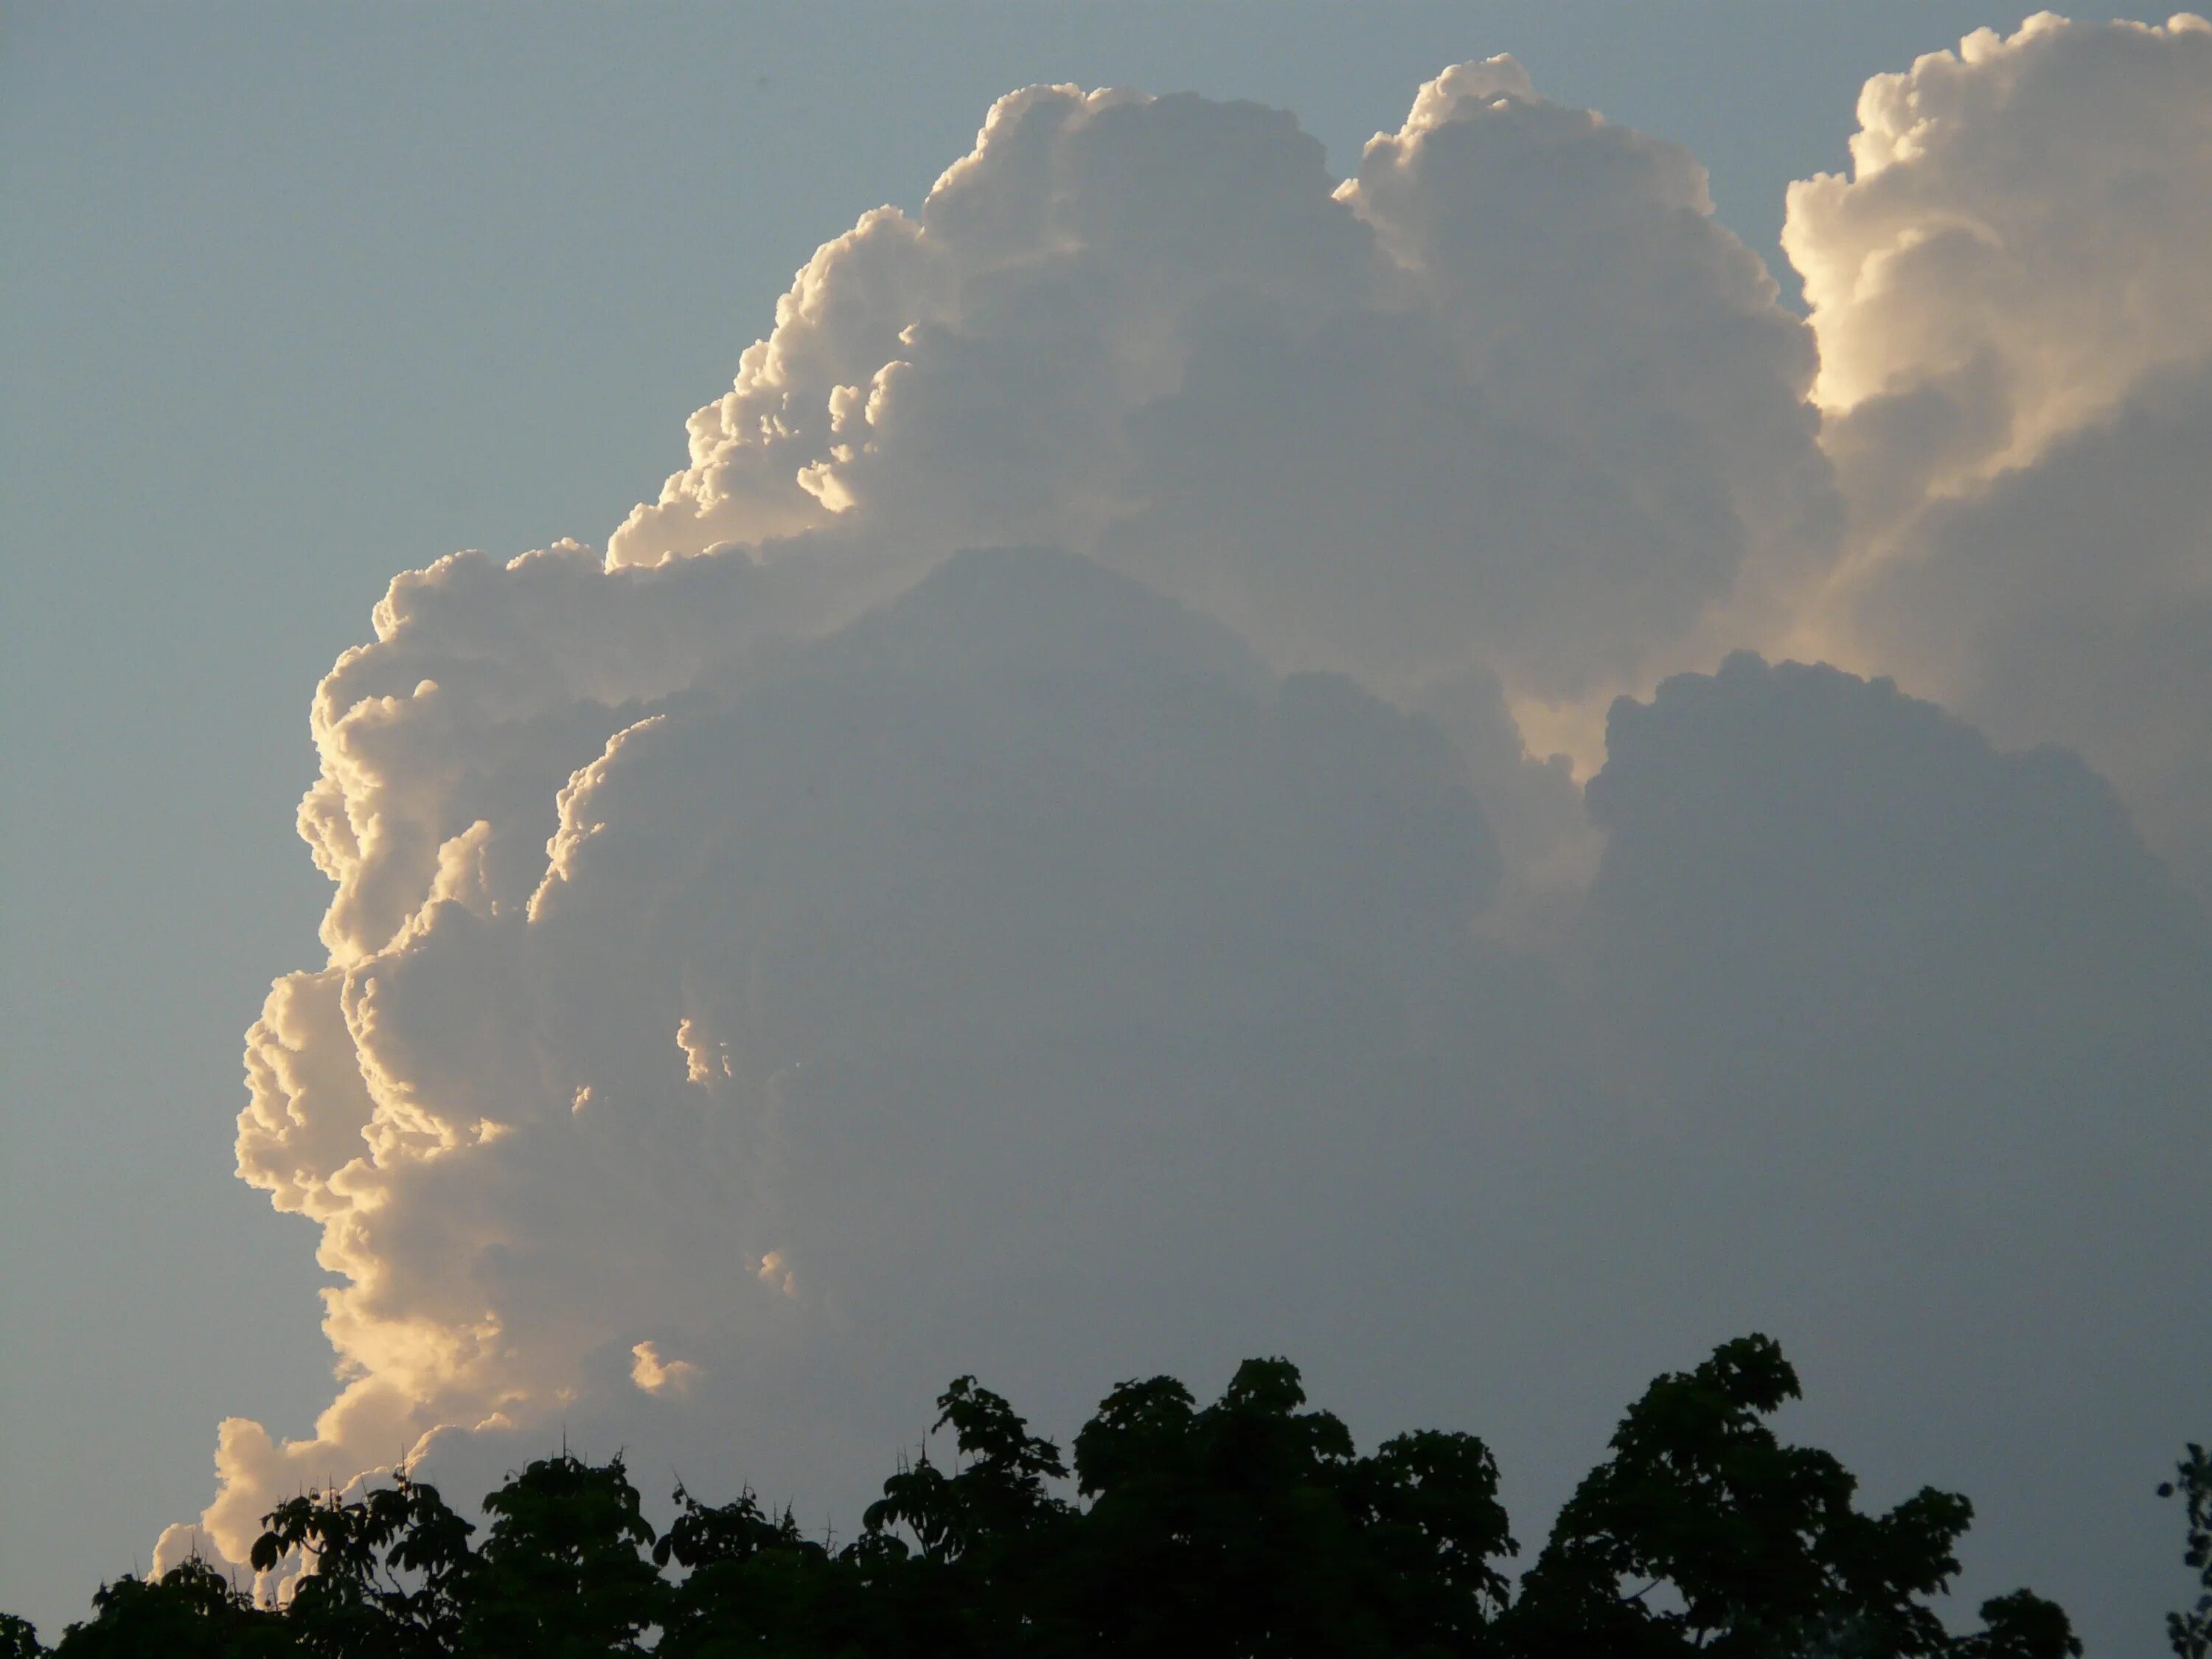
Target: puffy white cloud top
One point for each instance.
(1510, 395)
(1035, 855)
(2015, 346)
(2023, 232)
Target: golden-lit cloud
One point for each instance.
(1039, 854)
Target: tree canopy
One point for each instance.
(1248, 1528)
(2189, 1631)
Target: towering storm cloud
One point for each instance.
(1509, 396)
(2016, 364)
(1040, 852)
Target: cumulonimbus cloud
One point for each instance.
(1507, 396)
(2014, 354)
(792, 959)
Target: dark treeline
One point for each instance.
(1250, 1527)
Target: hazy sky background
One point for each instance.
(296, 297)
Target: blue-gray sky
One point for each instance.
(297, 297)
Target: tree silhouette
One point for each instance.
(1251, 1528)
(564, 1572)
(1735, 1544)
(191, 1612)
(2021, 1625)
(1248, 1528)
(384, 1573)
(752, 1584)
(2189, 1631)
